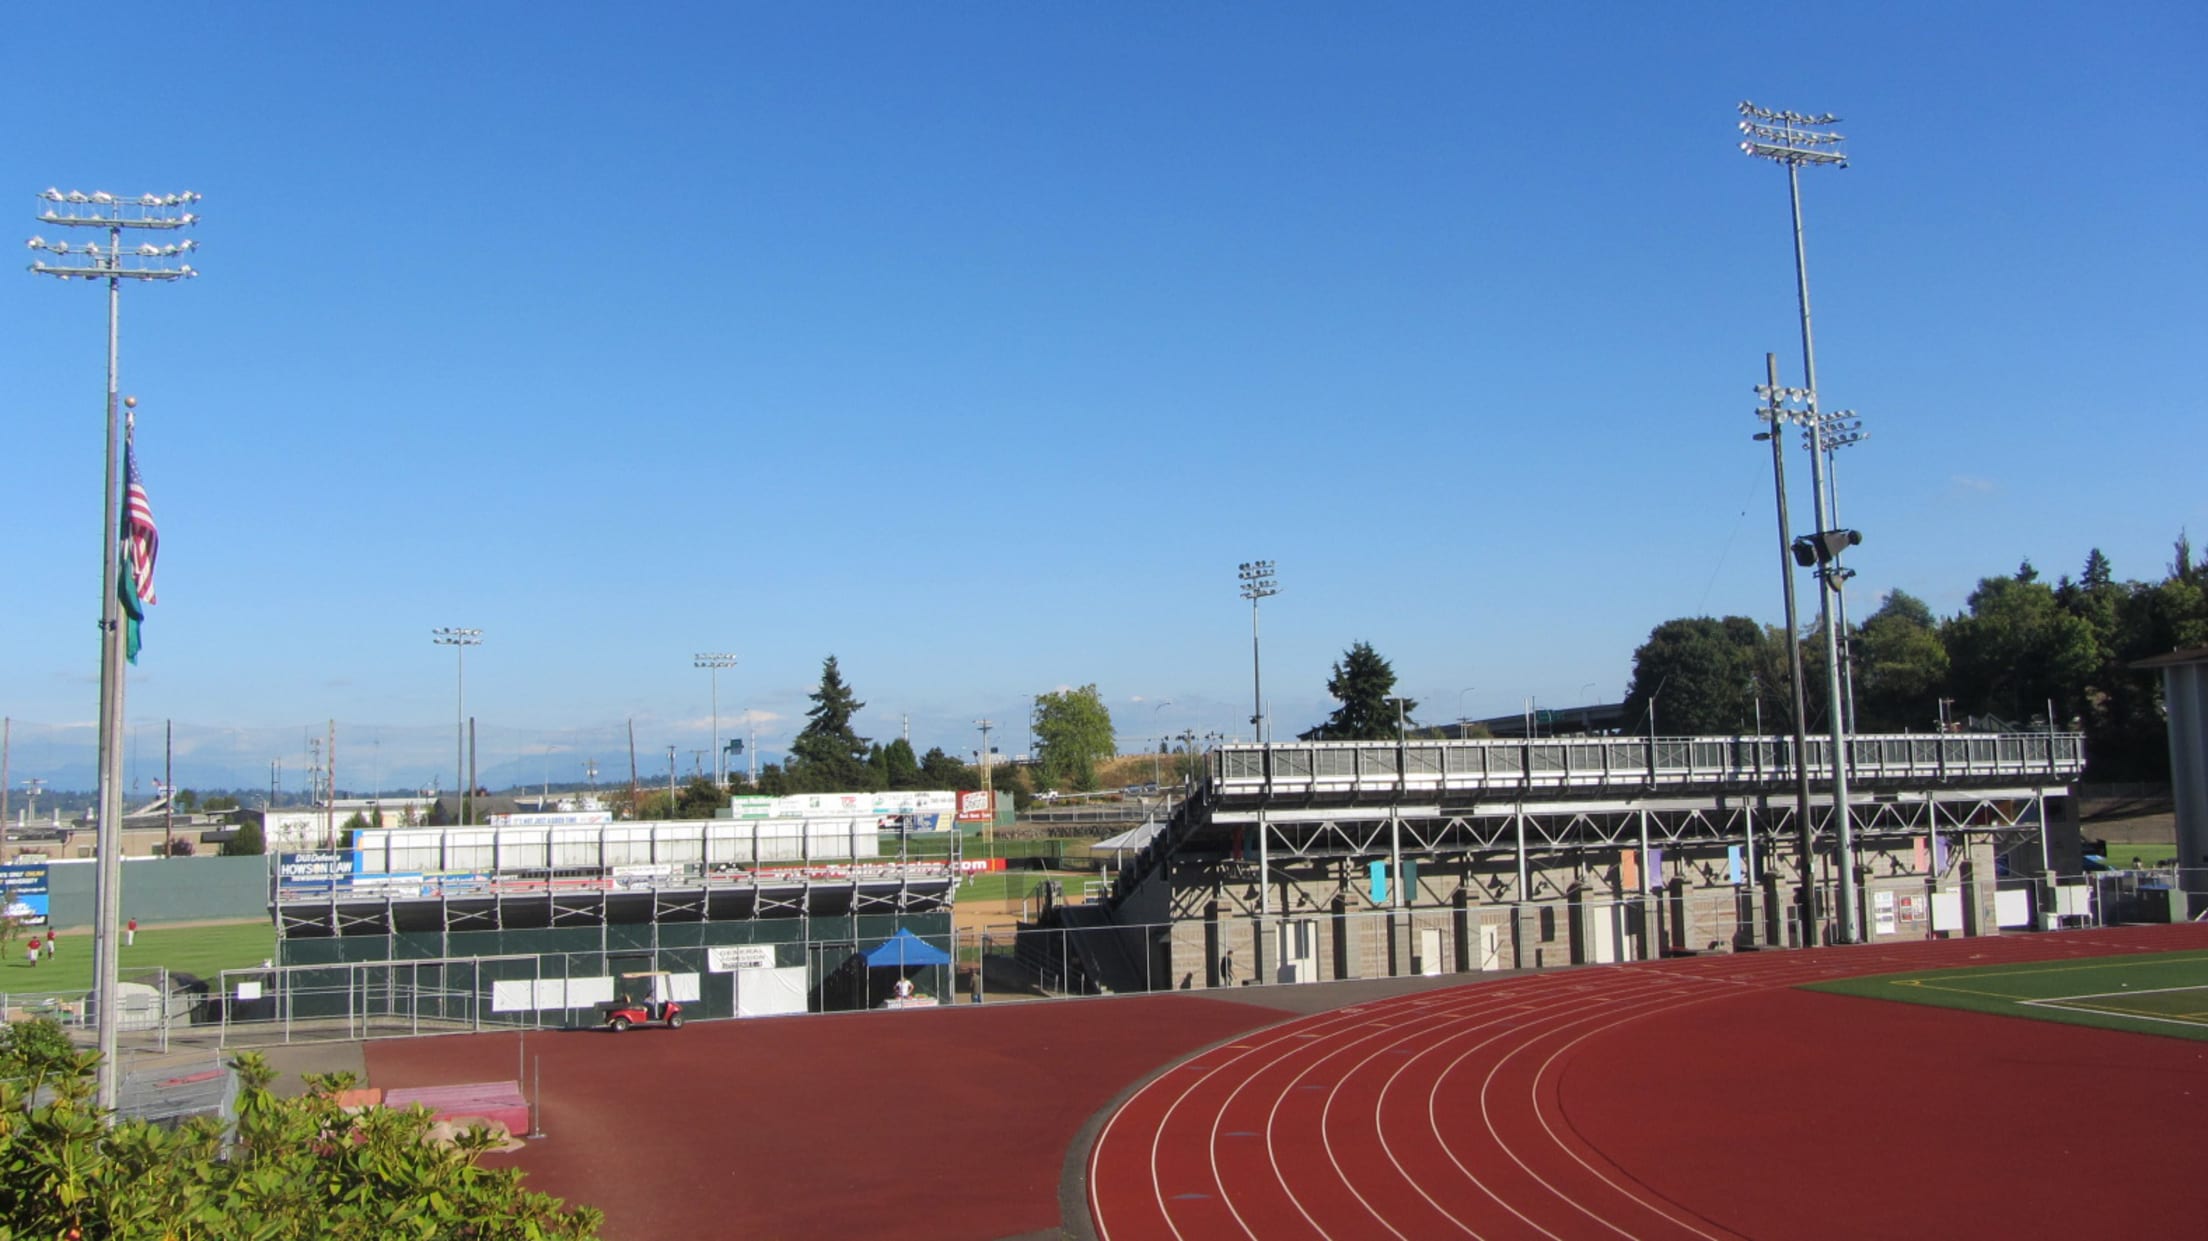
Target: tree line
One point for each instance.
(1073, 731)
(2023, 653)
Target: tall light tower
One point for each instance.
(1794, 139)
(460, 640)
(1787, 405)
(1258, 583)
(155, 214)
(714, 661)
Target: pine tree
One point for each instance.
(1364, 683)
(827, 755)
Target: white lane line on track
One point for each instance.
(1326, 1141)
(1277, 1036)
(1768, 970)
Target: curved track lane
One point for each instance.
(1443, 1114)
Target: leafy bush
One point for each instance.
(36, 1048)
(295, 1168)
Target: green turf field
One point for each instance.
(202, 950)
(2154, 993)
(1012, 885)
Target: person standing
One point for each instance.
(30, 950)
(130, 932)
(49, 944)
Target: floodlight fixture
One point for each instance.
(101, 210)
(1791, 137)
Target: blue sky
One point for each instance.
(977, 344)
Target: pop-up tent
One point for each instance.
(905, 949)
(903, 952)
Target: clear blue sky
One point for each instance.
(977, 344)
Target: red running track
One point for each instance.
(1701, 1098)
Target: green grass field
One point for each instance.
(2156, 993)
(202, 950)
(1012, 885)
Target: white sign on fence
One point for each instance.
(1947, 911)
(768, 993)
(1882, 912)
(730, 958)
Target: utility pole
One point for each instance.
(988, 790)
(168, 788)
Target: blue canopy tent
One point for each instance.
(904, 951)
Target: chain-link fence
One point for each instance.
(1082, 952)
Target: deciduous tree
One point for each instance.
(1073, 729)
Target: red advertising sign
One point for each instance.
(977, 807)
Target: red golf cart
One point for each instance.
(656, 1009)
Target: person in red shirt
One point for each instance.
(130, 933)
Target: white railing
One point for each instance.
(1351, 769)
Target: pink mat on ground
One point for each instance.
(499, 1101)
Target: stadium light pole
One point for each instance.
(460, 640)
(713, 662)
(1258, 583)
(88, 261)
(1794, 139)
(1838, 430)
(1783, 405)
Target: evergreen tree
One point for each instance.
(1364, 683)
(900, 767)
(827, 755)
(941, 771)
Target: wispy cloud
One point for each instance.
(1972, 483)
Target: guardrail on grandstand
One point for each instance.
(1349, 767)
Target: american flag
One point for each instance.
(141, 540)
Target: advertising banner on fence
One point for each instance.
(318, 870)
(977, 807)
(26, 893)
(910, 809)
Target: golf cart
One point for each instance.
(657, 986)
